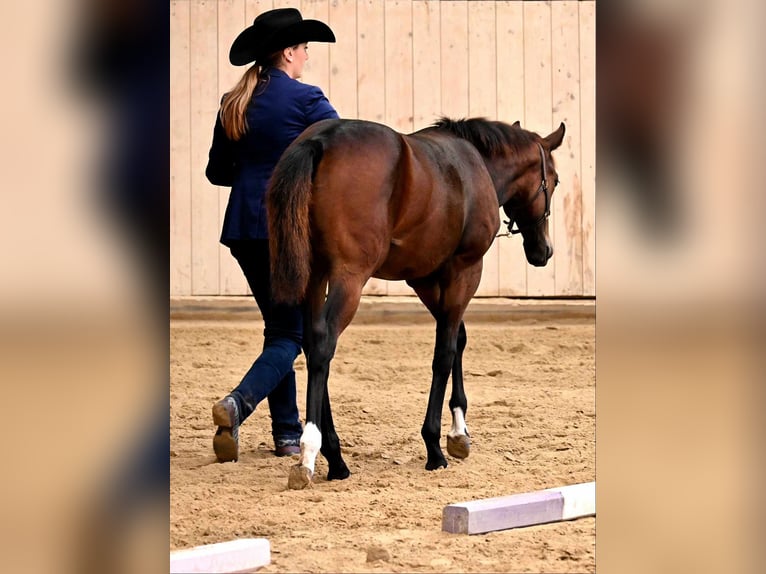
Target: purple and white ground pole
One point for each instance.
(515, 511)
(243, 555)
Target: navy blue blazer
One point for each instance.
(276, 116)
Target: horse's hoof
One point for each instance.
(341, 473)
(459, 446)
(437, 463)
(300, 478)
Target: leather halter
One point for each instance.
(542, 188)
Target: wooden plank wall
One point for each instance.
(403, 63)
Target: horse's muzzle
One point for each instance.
(540, 255)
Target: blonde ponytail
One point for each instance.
(234, 107)
(233, 110)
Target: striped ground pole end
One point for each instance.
(518, 510)
(243, 555)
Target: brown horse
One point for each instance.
(350, 200)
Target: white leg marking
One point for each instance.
(458, 423)
(311, 442)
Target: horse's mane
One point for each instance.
(491, 138)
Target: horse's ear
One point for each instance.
(555, 138)
(516, 124)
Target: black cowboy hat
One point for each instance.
(274, 30)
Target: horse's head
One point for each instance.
(523, 173)
(527, 197)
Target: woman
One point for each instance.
(258, 119)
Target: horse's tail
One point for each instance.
(288, 198)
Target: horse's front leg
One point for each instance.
(444, 355)
(458, 439)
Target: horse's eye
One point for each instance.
(557, 182)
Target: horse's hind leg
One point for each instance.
(458, 441)
(328, 320)
(331, 443)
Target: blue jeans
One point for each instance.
(272, 375)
